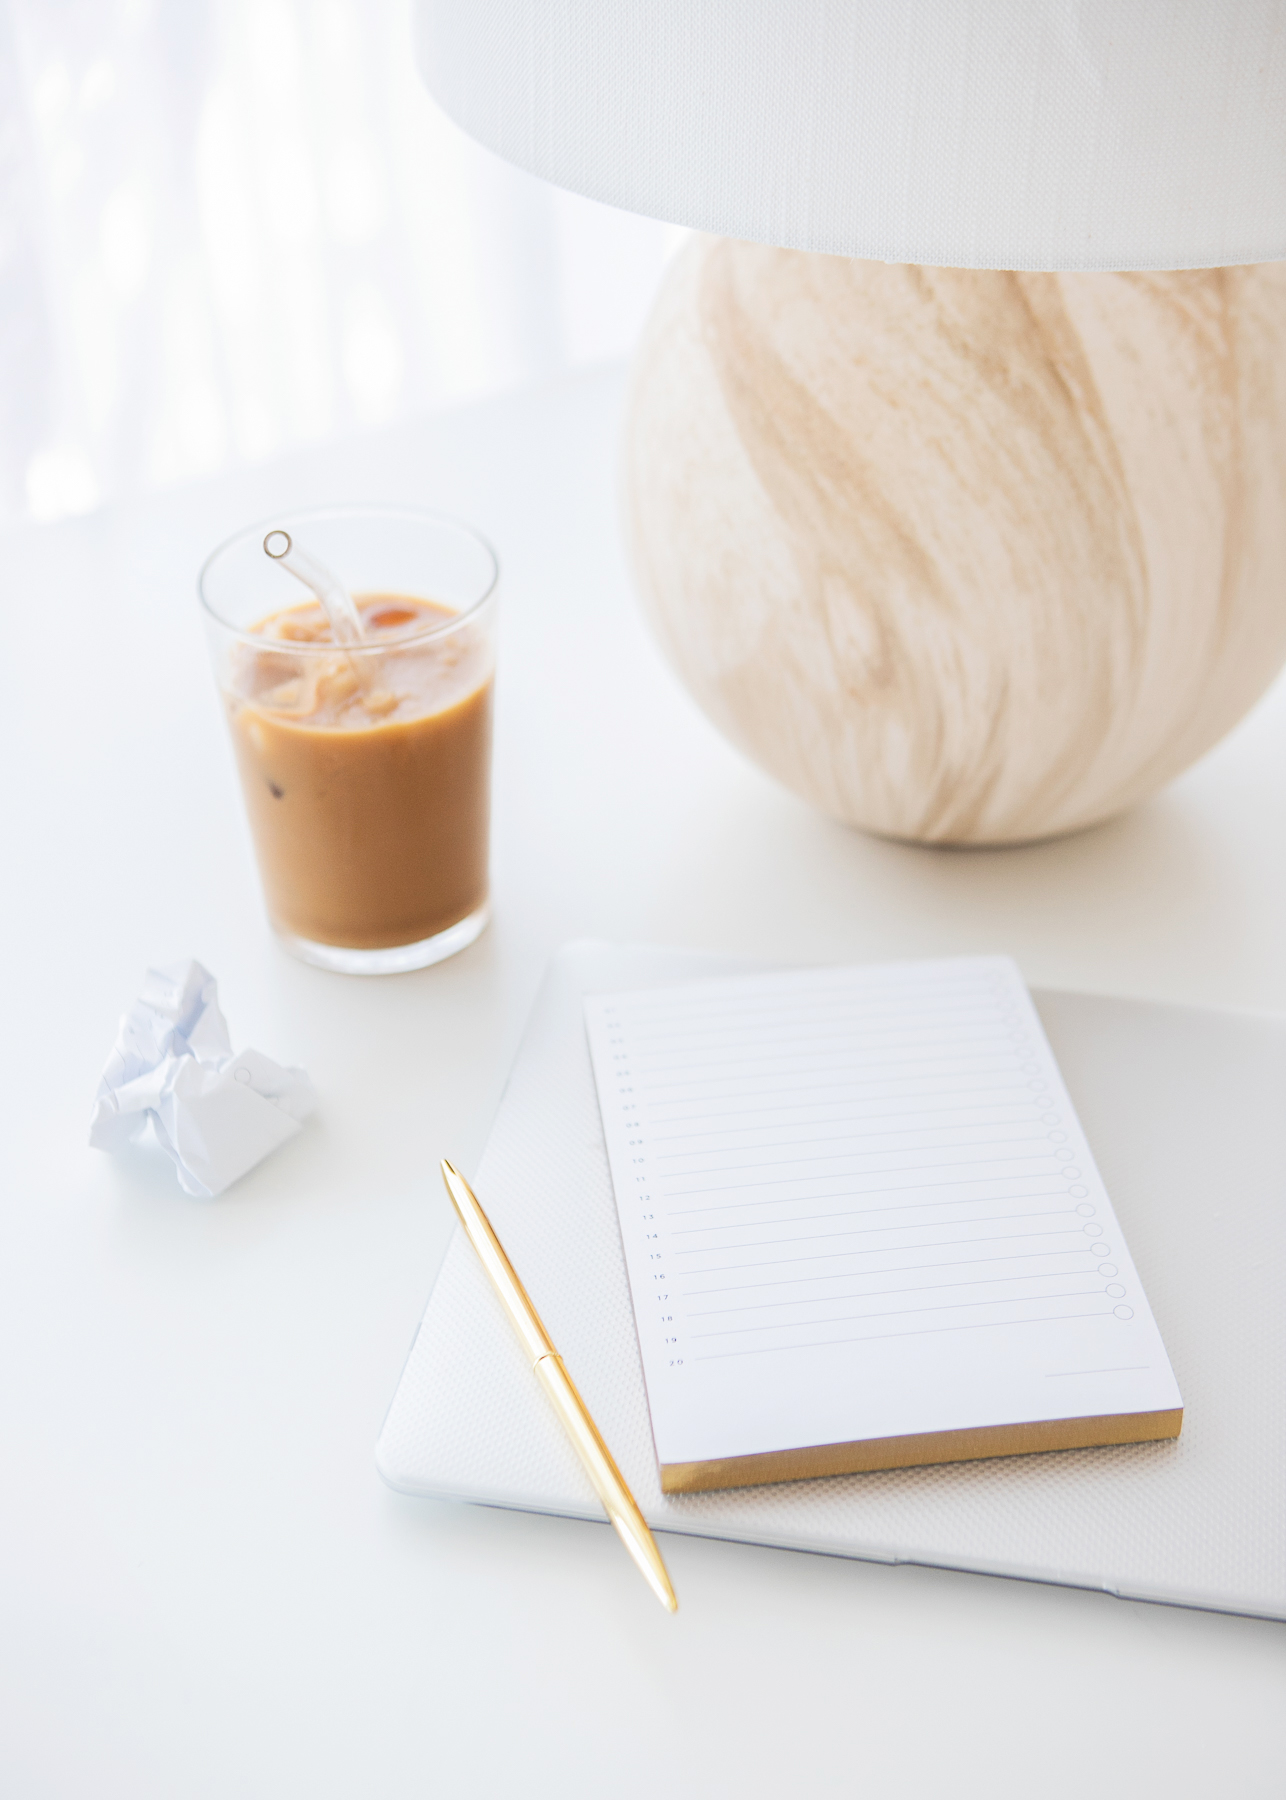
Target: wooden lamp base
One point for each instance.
(962, 556)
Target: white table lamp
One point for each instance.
(955, 469)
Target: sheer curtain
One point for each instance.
(232, 226)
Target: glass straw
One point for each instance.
(331, 594)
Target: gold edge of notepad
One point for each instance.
(920, 1448)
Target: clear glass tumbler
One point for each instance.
(366, 767)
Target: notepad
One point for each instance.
(863, 1227)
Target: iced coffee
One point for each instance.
(366, 774)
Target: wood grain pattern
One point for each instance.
(962, 556)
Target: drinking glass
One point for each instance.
(365, 766)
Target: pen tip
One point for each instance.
(660, 1582)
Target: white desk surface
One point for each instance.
(206, 1591)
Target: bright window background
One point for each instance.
(228, 227)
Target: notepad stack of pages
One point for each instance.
(863, 1227)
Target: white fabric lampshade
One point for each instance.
(1012, 134)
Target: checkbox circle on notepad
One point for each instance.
(1077, 1193)
(1071, 1174)
(1107, 1269)
(1050, 1118)
(1086, 1210)
(1123, 1312)
(1092, 1227)
(1057, 1137)
(1100, 1249)
(1116, 1291)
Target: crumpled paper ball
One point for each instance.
(173, 1072)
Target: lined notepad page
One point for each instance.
(857, 1203)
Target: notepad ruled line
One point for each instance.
(962, 998)
(748, 1287)
(926, 1287)
(924, 1068)
(709, 1003)
(859, 1135)
(870, 1337)
(1021, 1086)
(715, 1056)
(898, 1312)
(830, 1237)
(857, 1212)
(961, 1162)
(795, 1162)
(1029, 1109)
(915, 1187)
(782, 1262)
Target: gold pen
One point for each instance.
(547, 1365)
